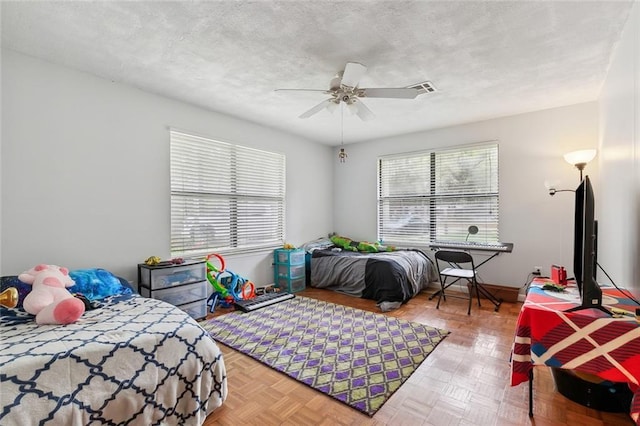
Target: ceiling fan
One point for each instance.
(344, 88)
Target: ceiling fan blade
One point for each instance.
(334, 84)
(363, 112)
(301, 90)
(398, 93)
(353, 71)
(316, 108)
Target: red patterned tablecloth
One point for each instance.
(586, 341)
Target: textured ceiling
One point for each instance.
(486, 58)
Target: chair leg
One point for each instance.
(474, 288)
(441, 293)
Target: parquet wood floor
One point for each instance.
(464, 382)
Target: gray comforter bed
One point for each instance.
(389, 278)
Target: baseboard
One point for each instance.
(506, 293)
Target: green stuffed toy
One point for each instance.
(348, 244)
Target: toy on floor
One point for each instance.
(49, 299)
(227, 286)
(213, 271)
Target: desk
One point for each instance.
(586, 341)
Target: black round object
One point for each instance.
(602, 396)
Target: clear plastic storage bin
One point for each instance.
(291, 285)
(196, 310)
(179, 295)
(289, 256)
(157, 277)
(287, 271)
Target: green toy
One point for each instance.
(348, 244)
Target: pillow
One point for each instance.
(96, 284)
(317, 244)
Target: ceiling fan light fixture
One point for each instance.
(332, 106)
(342, 156)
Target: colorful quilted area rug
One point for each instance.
(357, 357)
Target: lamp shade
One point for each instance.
(580, 157)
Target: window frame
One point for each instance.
(429, 201)
(211, 201)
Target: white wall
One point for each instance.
(618, 202)
(531, 148)
(85, 172)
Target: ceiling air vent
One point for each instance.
(424, 87)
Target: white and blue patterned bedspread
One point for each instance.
(133, 361)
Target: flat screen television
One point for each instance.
(585, 249)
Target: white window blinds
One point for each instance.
(438, 195)
(224, 197)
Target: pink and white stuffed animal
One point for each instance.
(49, 300)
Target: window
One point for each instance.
(438, 195)
(224, 197)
